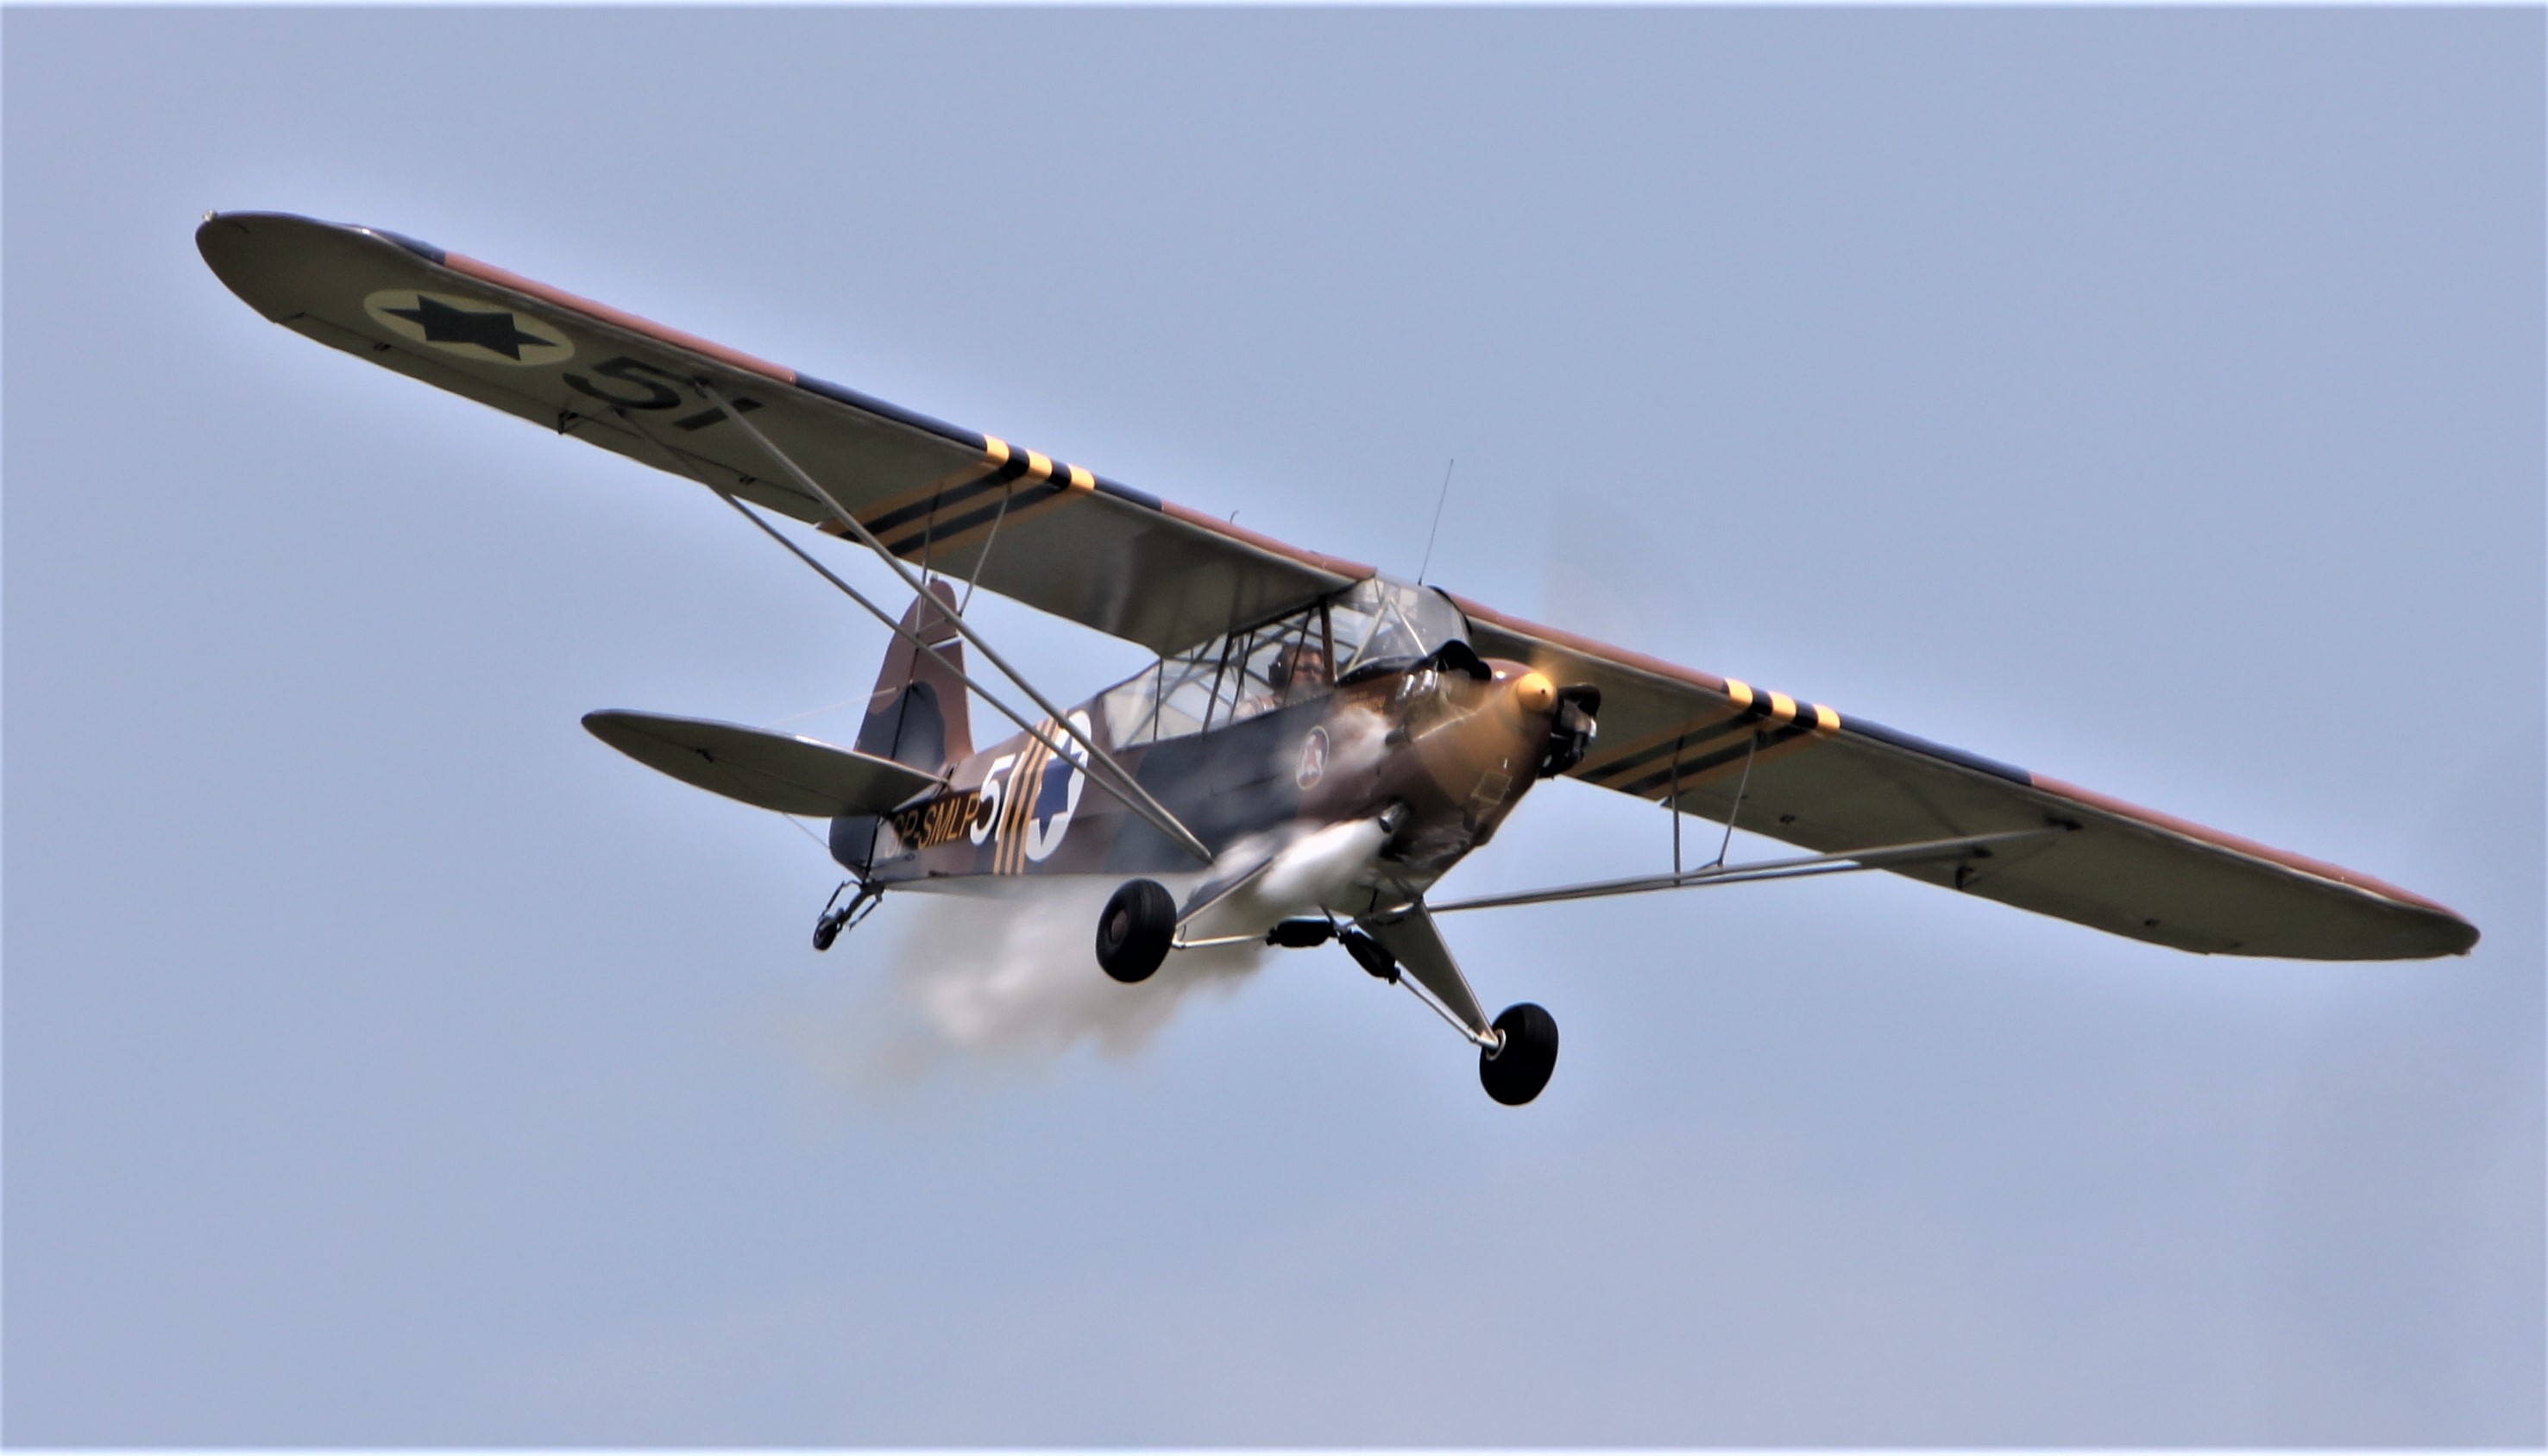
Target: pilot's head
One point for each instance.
(1298, 667)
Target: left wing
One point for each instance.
(1041, 531)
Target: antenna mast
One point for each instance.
(1429, 536)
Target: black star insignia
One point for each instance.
(445, 324)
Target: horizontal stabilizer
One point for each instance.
(768, 770)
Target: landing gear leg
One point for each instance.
(829, 926)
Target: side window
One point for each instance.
(1169, 699)
(1228, 681)
(1283, 663)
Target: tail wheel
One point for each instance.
(1133, 933)
(1515, 1069)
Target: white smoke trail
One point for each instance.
(1003, 973)
(1006, 975)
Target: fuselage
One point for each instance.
(1437, 755)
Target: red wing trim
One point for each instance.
(504, 278)
(2238, 844)
(1652, 666)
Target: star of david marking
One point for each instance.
(443, 323)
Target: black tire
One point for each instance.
(1515, 1072)
(826, 931)
(1133, 933)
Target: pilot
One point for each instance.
(1298, 672)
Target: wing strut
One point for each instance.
(1139, 802)
(1135, 797)
(1876, 859)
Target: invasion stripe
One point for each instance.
(995, 455)
(1721, 759)
(963, 533)
(1013, 814)
(946, 531)
(1671, 741)
(1034, 789)
(943, 498)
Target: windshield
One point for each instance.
(1381, 624)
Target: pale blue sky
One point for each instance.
(2150, 399)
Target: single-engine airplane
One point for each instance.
(1315, 744)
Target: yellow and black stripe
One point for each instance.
(960, 507)
(1755, 723)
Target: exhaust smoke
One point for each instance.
(1007, 977)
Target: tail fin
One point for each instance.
(918, 714)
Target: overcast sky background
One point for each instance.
(2150, 399)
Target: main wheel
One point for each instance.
(1132, 935)
(1515, 1072)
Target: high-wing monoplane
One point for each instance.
(1313, 745)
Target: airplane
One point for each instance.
(1315, 744)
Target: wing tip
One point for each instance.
(2453, 933)
(252, 252)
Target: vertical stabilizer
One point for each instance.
(917, 715)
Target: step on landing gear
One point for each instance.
(1136, 929)
(1516, 1066)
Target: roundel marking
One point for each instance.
(1314, 758)
(468, 328)
(1057, 795)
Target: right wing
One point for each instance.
(1834, 784)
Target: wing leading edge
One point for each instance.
(1068, 541)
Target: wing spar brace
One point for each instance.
(1114, 778)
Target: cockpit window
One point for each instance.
(1381, 625)
(1226, 680)
(1374, 626)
